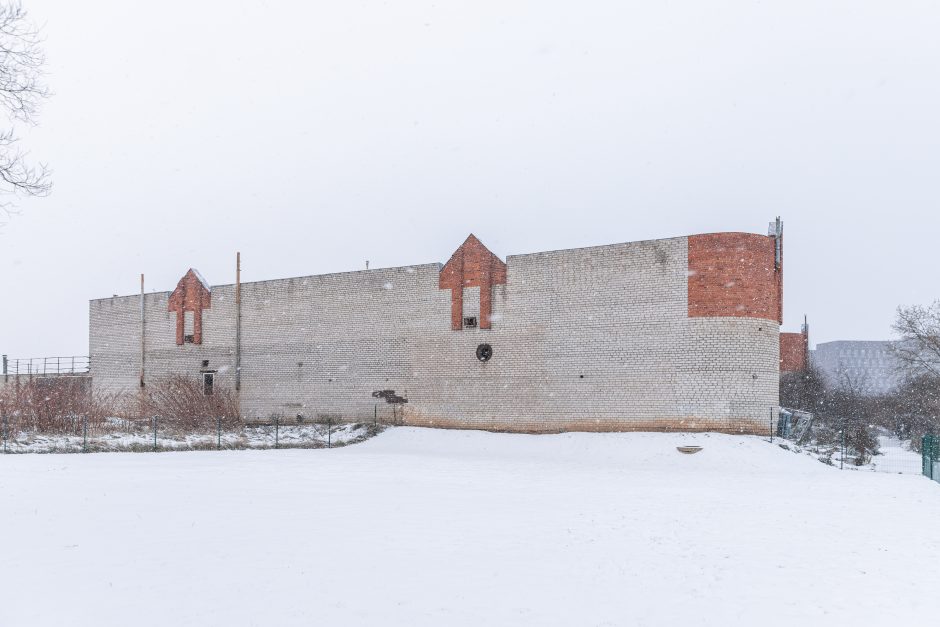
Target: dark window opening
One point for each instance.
(484, 352)
(208, 380)
(205, 363)
(189, 339)
(470, 323)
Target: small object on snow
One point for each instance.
(688, 450)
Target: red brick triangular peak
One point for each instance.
(472, 265)
(193, 294)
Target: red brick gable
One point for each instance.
(472, 265)
(193, 294)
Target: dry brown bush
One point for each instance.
(180, 403)
(56, 405)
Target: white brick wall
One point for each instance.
(591, 339)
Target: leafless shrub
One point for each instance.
(182, 404)
(843, 413)
(63, 405)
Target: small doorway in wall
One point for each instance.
(208, 383)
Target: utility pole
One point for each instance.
(238, 322)
(143, 332)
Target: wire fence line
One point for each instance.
(65, 414)
(159, 434)
(846, 444)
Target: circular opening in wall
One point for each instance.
(580, 376)
(484, 352)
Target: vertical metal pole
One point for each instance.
(329, 433)
(143, 332)
(276, 426)
(375, 416)
(154, 434)
(218, 444)
(842, 458)
(238, 322)
(84, 434)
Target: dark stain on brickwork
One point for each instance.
(390, 397)
(739, 425)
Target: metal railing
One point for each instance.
(47, 366)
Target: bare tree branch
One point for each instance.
(21, 93)
(919, 348)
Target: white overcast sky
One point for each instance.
(313, 136)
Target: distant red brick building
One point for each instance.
(794, 351)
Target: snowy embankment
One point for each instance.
(250, 436)
(426, 527)
(893, 456)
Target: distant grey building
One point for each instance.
(870, 365)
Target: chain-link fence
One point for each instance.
(848, 443)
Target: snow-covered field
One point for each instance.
(425, 527)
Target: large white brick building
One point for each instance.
(673, 334)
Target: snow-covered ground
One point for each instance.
(895, 456)
(427, 527)
(252, 436)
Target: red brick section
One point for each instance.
(472, 265)
(191, 294)
(794, 352)
(733, 275)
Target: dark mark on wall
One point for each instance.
(390, 397)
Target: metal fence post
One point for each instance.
(375, 416)
(218, 444)
(85, 433)
(276, 428)
(842, 457)
(926, 468)
(329, 433)
(155, 434)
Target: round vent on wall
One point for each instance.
(484, 352)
